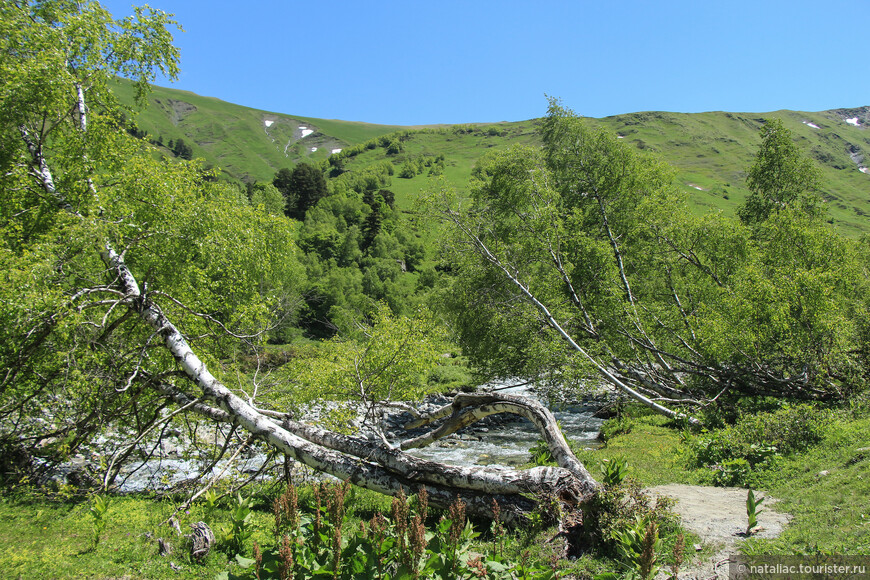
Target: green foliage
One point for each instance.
(361, 250)
(452, 374)
(615, 471)
(210, 499)
(638, 545)
(752, 511)
(385, 360)
(780, 177)
(239, 532)
(302, 189)
(625, 523)
(267, 198)
(597, 234)
(51, 537)
(200, 251)
(382, 548)
(182, 150)
(614, 426)
(99, 511)
(826, 483)
(757, 441)
(541, 455)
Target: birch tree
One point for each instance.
(131, 282)
(580, 262)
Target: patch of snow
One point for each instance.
(313, 149)
(853, 121)
(808, 124)
(334, 151)
(696, 186)
(306, 131)
(864, 169)
(620, 136)
(268, 123)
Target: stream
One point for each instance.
(498, 440)
(508, 444)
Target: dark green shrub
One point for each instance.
(754, 442)
(621, 425)
(619, 508)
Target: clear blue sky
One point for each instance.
(444, 61)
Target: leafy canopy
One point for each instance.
(73, 181)
(588, 238)
(388, 359)
(781, 177)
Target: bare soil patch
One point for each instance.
(718, 516)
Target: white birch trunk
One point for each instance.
(364, 463)
(369, 464)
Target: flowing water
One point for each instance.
(509, 444)
(502, 440)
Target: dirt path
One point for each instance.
(718, 516)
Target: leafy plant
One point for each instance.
(733, 472)
(382, 548)
(541, 454)
(210, 497)
(752, 511)
(617, 509)
(98, 510)
(638, 545)
(756, 442)
(240, 529)
(620, 425)
(614, 470)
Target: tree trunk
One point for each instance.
(373, 465)
(365, 463)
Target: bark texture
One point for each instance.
(374, 465)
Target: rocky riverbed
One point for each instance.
(179, 454)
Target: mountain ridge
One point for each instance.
(709, 151)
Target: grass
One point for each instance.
(235, 138)
(709, 150)
(652, 449)
(826, 488)
(44, 538)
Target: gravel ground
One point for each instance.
(718, 516)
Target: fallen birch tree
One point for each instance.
(125, 273)
(581, 262)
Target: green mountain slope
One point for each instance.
(710, 151)
(247, 144)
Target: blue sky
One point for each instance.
(445, 61)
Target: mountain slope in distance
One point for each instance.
(711, 151)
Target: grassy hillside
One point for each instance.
(247, 144)
(710, 151)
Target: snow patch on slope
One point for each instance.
(809, 124)
(305, 131)
(853, 121)
(268, 123)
